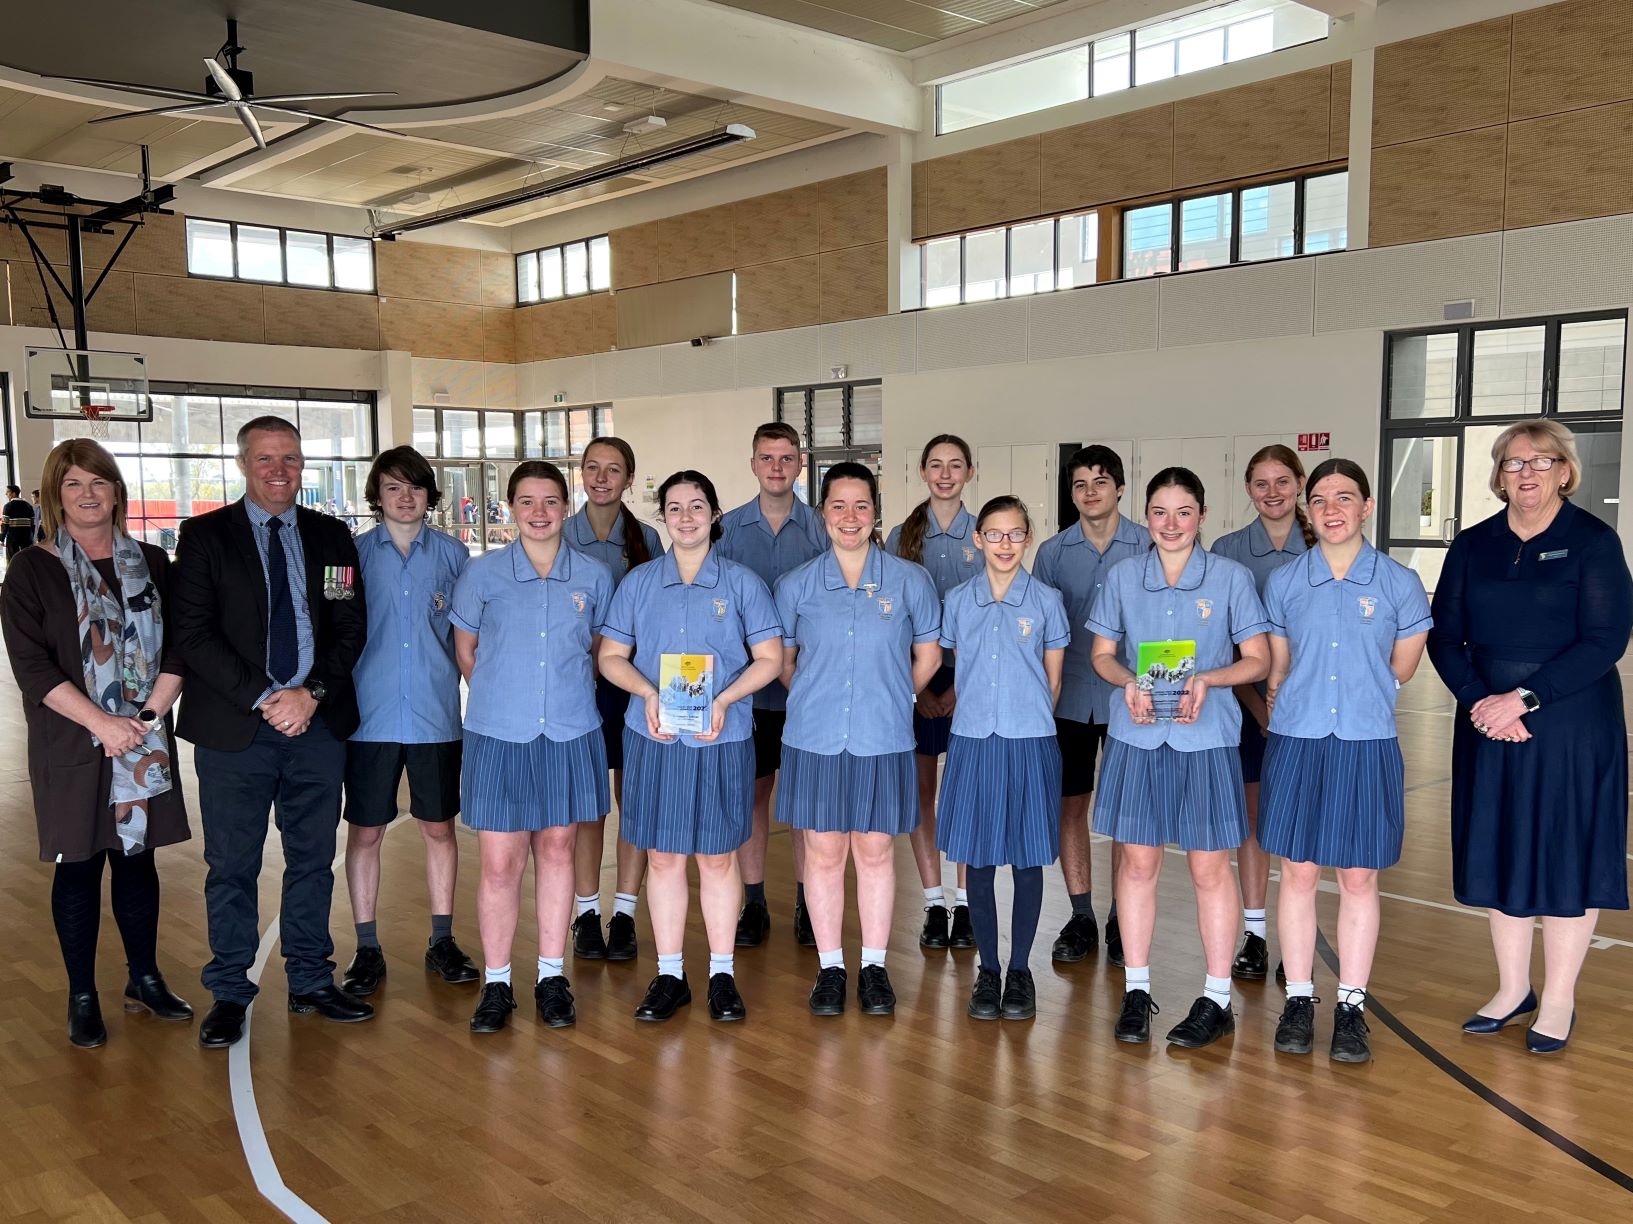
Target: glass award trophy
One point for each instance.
(1163, 670)
(686, 694)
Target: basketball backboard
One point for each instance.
(86, 384)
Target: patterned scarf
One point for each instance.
(119, 650)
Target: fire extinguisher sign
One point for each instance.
(1315, 441)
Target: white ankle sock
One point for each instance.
(872, 956)
(1137, 978)
(1355, 996)
(963, 897)
(1217, 989)
(721, 963)
(831, 960)
(1253, 920)
(1301, 990)
(934, 896)
(672, 966)
(624, 903)
(551, 966)
(501, 974)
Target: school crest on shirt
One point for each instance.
(720, 609)
(439, 601)
(969, 555)
(1204, 608)
(1369, 605)
(887, 606)
(1024, 624)
(580, 601)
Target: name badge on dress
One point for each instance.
(339, 582)
(1555, 555)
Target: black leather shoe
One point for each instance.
(149, 993)
(804, 936)
(1134, 1022)
(555, 1002)
(753, 924)
(1206, 1024)
(1252, 963)
(874, 993)
(331, 1003)
(448, 960)
(963, 933)
(588, 943)
(1114, 941)
(828, 995)
(223, 1024)
(85, 1027)
(364, 975)
(621, 942)
(1281, 973)
(493, 1007)
(1079, 937)
(664, 997)
(724, 1001)
(1020, 1000)
(987, 997)
(1349, 1035)
(1295, 1032)
(1484, 1026)
(934, 934)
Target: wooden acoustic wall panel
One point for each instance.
(431, 329)
(986, 186)
(1452, 81)
(113, 309)
(1568, 56)
(854, 210)
(774, 296)
(498, 333)
(634, 255)
(1338, 117)
(321, 318)
(428, 272)
(200, 309)
(1118, 158)
(778, 226)
(568, 328)
(1438, 188)
(921, 199)
(159, 245)
(854, 283)
(498, 278)
(1569, 167)
(695, 243)
(1253, 129)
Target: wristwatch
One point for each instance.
(318, 689)
(148, 716)
(1532, 702)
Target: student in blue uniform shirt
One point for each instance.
(526, 621)
(773, 535)
(939, 534)
(691, 794)
(407, 682)
(1348, 627)
(1000, 794)
(1178, 777)
(1278, 535)
(860, 633)
(1075, 562)
(606, 528)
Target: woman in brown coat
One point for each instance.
(83, 616)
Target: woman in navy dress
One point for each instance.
(1532, 613)
(1000, 792)
(691, 795)
(860, 632)
(526, 619)
(606, 528)
(1347, 627)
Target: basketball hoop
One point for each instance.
(94, 414)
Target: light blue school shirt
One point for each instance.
(295, 568)
(746, 538)
(1251, 546)
(853, 679)
(579, 534)
(1071, 564)
(1340, 633)
(1002, 687)
(533, 673)
(950, 556)
(1213, 604)
(724, 611)
(407, 677)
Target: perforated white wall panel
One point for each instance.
(871, 348)
(632, 372)
(711, 367)
(1112, 318)
(987, 333)
(499, 385)
(539, 382)
(1407, 286)
(460, 381)
(1583, 265)
(775, 359)
(1247, 302)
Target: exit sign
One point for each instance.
(1315, 441)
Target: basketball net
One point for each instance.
(93, 414)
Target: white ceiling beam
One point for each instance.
(1341, 8)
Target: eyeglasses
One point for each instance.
(1018, 536)
(1537, 463)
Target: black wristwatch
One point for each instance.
(148, 716)
(1533, 703)
(318, 689)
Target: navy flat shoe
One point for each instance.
(1537, 1043)
(1484, 1026)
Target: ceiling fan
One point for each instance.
(228, 85)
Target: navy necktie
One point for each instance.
(283, 652)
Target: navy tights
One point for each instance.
(1023, 920)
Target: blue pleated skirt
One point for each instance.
(843, 793)
(1335, 802)
(506, 787)
(1157, 796)
(1000, 802)
(686, 800)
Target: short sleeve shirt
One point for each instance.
(950, 556)
(724, 611)
(746, 538)
(580, 536)
(533, 673)
(1213, 604)
(1002, 686)
(853, 679)
(1072, 565)
(1251, 546)
(1340, 633)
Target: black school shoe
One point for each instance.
(1252, 963)
(753, 924)
(874, 993)
(1134, 1023)
(666, 995)
(986, 999)
(448, 961)
(1349, 1035)
(1077, 939)
(1114, 941)
(1295, 1032)
(934, 934)
(963, 932)
(364, 975)
(804, 936)
(493, 1008)
(828, 995)
(554, 1000)
(1206, 1024)
(85, 1027)
(621, 942)
(588, 942)
(725, 1003)
(1020, 1001)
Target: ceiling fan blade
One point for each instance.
(228, 86)
(247, 117)
(299, 114)
(264, 99)
(155, 91)
(161, 110)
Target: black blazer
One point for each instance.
(218, 623)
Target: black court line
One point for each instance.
(1486, 1093)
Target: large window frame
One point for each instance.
(597, 273)
(283, 257)
(1008, 277)
(860, 432)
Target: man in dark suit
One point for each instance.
(266, 605)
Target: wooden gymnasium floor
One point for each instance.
(924, 1116)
